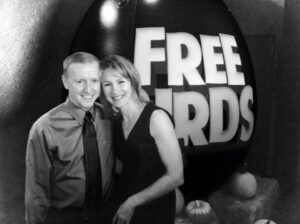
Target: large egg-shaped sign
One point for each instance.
(193, 62)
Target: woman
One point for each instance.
(146, 145)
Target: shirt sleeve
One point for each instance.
(37, 184)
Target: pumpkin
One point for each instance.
(243, 184)
(179, 202)
(199, 212)
(264, 221)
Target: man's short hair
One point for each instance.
(79, 57)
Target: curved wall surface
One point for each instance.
(35, 36)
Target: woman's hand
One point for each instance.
(124, 213)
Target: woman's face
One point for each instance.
(117, 89)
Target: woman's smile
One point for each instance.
(117, 89)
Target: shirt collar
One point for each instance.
(77, 112)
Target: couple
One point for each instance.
(73, 151)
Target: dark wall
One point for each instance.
(287, 154)
(287, 138)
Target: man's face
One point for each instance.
(83, 83)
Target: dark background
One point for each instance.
(35, 37)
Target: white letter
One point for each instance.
(212, 59)
(185, 127)
(247, 114)
(179, 66)
(217, 96)
(231, 60)
(163, 98)
(144, 54)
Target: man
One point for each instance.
(65, 182)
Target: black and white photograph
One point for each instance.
(149, 112)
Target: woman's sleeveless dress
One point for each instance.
(142, 166)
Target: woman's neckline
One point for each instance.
(127, 127)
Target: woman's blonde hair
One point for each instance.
(125, 68)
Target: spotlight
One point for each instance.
(108, 14)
